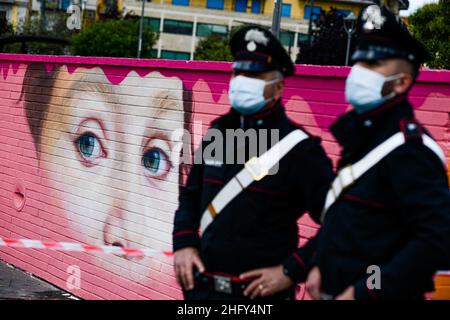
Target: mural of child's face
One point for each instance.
(110, 159)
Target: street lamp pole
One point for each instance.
(141, 26)
(349, 26)
(83, 10)
(311, 7)
(276, 19)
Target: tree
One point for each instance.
(430, 25)
(6, 28)
(114, 38)
(214, 47)
(329, 42)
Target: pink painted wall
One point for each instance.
(107, 194)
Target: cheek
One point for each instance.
(269, 92)
(64, 178)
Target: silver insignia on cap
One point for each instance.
(373, 18)
(255, 36)
(251, 46)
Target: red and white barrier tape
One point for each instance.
(79, 247)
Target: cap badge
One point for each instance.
(251, 46)
(255, 36)
(373, 18)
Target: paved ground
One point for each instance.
(16, 284)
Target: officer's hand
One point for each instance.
(267, 281)
(348, 294)
(314, 283)
(185, 261)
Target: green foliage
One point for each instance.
(216, 47)
(6, 29)
(431, 25)
(213, 48)
(114, 38)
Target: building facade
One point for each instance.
(183, 23)
(15, 11)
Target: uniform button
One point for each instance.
(368, 123)
(259, 122)
(412, 127)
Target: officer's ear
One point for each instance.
(279, 85)
(403, 83)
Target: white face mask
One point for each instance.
(246, 94)
(363, 88)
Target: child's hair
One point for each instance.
(36, 94)
(37, 91)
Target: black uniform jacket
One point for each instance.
(395, 217)
(259, 227)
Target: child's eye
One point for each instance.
(155, 162)
(89, 146)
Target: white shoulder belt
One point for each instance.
(254, 170)
(350, 174)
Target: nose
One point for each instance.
(120, 226)
(115, 232)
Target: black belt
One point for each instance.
(221, 283)
(233, 285)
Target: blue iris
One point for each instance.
(152, 160)
(86, 144)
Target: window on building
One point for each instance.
(153, 23)
(256, 6)
(215, 4)
(204, 29)
(175, 55)
(178, 27)
(240, 5)
(3, 16)
(180, 2)
(287, 38)
(64, 4)
(315, 12)
(286, 10)
(343, 12)
(302, 37)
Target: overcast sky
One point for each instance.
(414, 5)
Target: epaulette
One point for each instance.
(412, 129)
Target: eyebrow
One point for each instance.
(162, 101)
(87, 83)
(92, 86)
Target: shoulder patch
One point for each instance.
(412, 129)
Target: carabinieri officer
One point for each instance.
(247, 213)
(386, 221)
